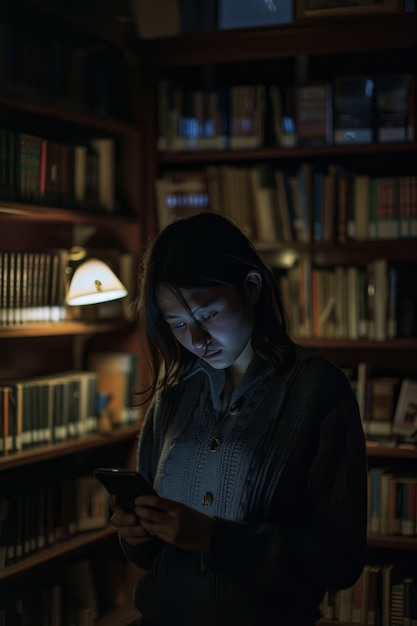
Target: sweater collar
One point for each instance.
(257, 370)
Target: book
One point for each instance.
(300, 219)
(282, 101)
(353, 98)
(352, 286)
(7, 443)
(361, 206)
(359, 598)
(269, 228)
(7, 165)
(314, 114)
(4, 514)
(240, 189)
(28, 160)
(386, 593)
(105, 148)
(117, 380)
(387, 210)
(395, 100)
(413, 211)
(79, 591)
(397, 604)
(372, 608)
(190, 119)
(91, 504)
(380, 306)
(383, 396)
(374, 500)
(57, 174)
(410, 601)
(340, 302)
(405, 207)
(285, 209)
(405, 416)
(246, 116)
(80, 175)
(386, 502)
(407, 488)
(179, 194)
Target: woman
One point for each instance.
(253, 444)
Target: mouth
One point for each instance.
(209, 356)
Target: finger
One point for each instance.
(151, 514)
(120, 518)
(152, 501)
(133, 532)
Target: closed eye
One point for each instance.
(209, 317)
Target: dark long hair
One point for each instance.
(205, 251)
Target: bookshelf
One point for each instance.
(48, 92)
(305, 52)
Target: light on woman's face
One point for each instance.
(216, 324)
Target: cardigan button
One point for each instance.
(207, 498)
(215, 444)
(235, 408)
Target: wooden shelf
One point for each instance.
(57, 550)
(284, 254)
(64, 328)
(297, 152)
(397, 452)
(84, 328)
(11, 210)
(334, 622)
(405, 345)
(71, 446)
(313, 37)
(67, 115)
(392, 542)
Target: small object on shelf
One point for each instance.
(395, 107)
(405, 417)
(353, 98)
(250, 13)
(104, 424)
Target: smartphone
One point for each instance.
(125, 484)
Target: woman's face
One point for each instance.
(224, 317)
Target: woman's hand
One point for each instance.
(174, 523)
(128, 525)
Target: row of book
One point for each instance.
(346, 110)
(54, 408)
(380, 597)
(303, 205)
(35, 169)
(372, 301)
(73, 74)
(33, 286)
(47, 409)
(38, 518)
(392, 503)
(76, 592)
(387, 402)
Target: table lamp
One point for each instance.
(94, 282)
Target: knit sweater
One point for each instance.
(282, 471)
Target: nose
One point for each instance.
(199, 337)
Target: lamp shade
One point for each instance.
(94, 282)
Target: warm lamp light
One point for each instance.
(94, 282)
